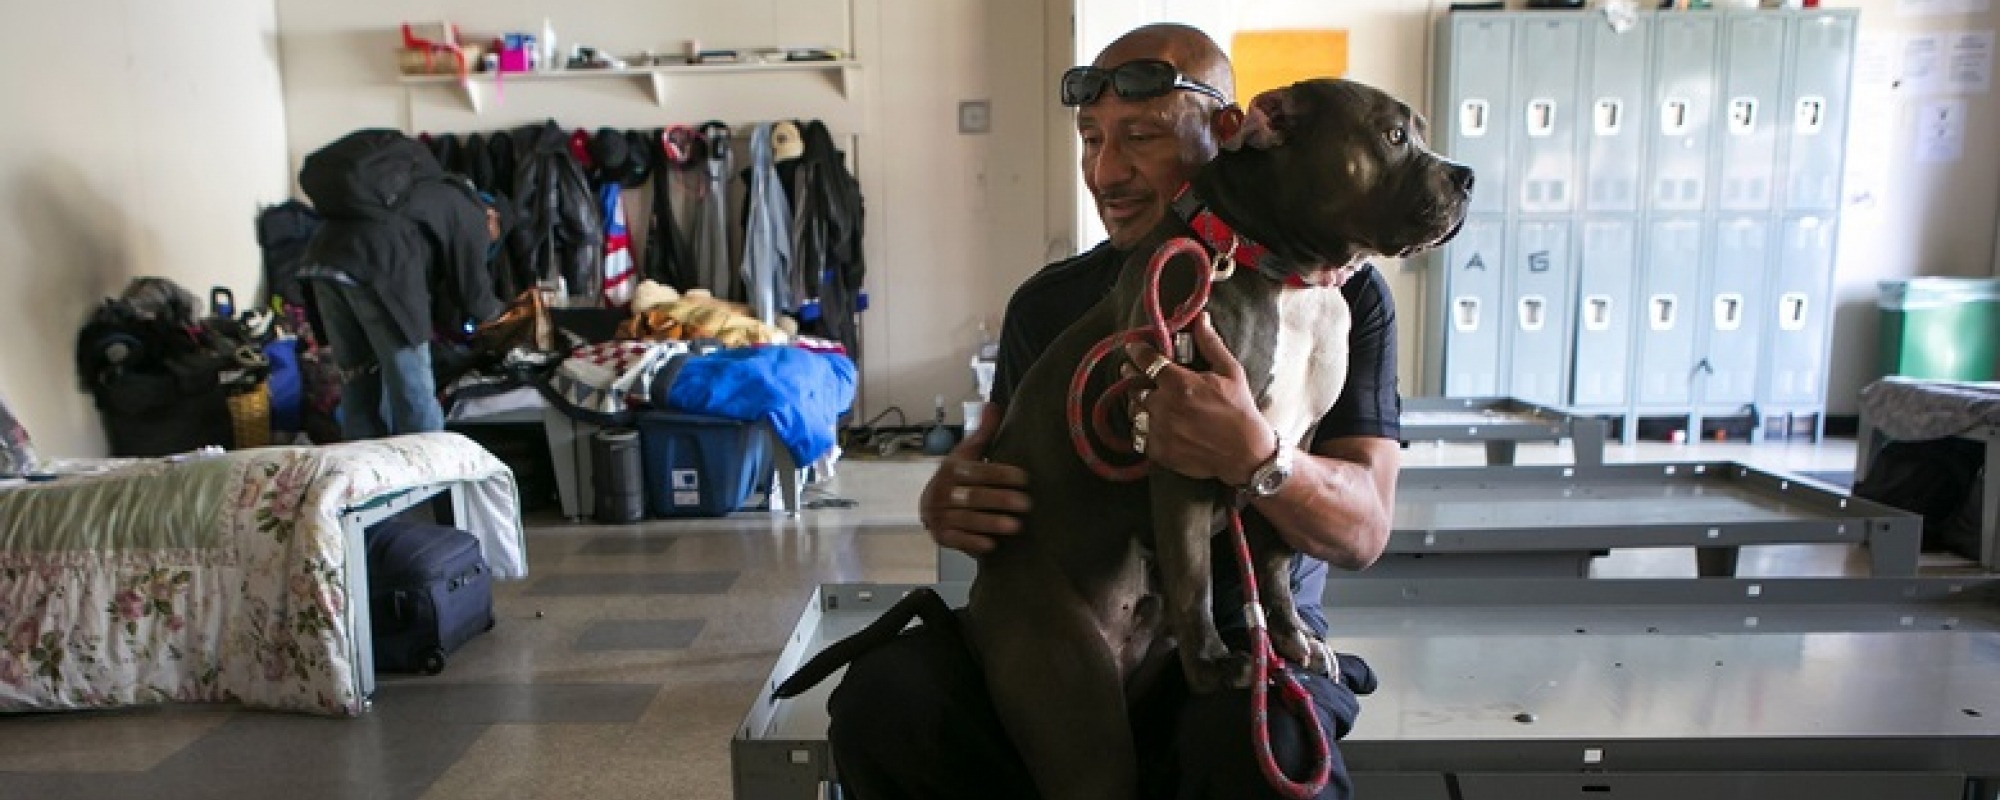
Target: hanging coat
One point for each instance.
(826, 241)
(713, 270)
(667, 258)
(767, 234)
(562, 230)
(618, 282)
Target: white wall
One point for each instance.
(1928, 219)
(140, 138)
(954, 221)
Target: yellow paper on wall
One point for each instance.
(1269, 59)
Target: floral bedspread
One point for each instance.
(217, 579)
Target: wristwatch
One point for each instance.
(1270, 475)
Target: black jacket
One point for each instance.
(827, 261)
(561, 231)
(414, 236)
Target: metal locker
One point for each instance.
(1607, 249)
(1798, 310)
(1731, 326)
(1747, 132)
(1669, 279)
(1682, 130)
(1473, 317)
(1478, 55)
(1544, 115)
(1538, 311)
(1616, 104)
(1814, 121)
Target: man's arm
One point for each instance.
(1338, 504)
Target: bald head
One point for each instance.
(1183, 46)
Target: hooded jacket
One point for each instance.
(561, 230)
(393, 222)
(827, 264)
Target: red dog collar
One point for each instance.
(1218, 237)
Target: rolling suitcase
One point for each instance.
(429, 592)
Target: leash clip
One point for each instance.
(1225, 264)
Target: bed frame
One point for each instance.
(1501, 423)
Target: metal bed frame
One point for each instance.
(354, 522)
(1511, 522)
(1869, 443)
(1502, 423)
(1522, 689)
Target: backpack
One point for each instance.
(366, 174)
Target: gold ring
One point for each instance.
(1153, 369)
(1139, 443)
(1140, 398)
(1140, 423)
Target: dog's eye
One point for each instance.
(1397, 137)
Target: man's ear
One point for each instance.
(1226, 122)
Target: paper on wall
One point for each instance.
(1874, 62)
(1969, 62)
(1923, 63)
(1940, 131)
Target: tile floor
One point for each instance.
(621, 666)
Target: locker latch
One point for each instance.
(1541, 117)
(1728, 311)
(1661, 312)
(1609, 116)
(1472, 117)
(1792, 311)
(1742, 116)
(1674, 119)
(1597, 312)
(1465, 314)
(1809, 116)
(1533, 310)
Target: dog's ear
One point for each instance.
(1264, 125)
(1225, 123)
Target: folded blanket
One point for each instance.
(802, 393)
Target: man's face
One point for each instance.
(1138, 153)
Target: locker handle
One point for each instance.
(1465, 314)
(1674, 117)
(1472, 117)
(1597, 312)
(1809, 116)
(1728, 311)
(1541, 117)
(1533, 311)
(1792, 311)
(1742, 116)
(1663, 310)
(1610, 116)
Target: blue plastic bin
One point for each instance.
(699, 466)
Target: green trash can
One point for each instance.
(1941, 328)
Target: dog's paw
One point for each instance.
(1224, 668)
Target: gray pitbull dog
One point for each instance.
(1323, 175)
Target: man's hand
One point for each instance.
(968, 501)
(1202, 424)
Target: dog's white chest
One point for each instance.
(1309, 365)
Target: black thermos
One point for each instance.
(618, 476)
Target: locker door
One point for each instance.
(1472, 314)
(1605, 270)
(1544, 114)
(1618, 107)
(1814, 119)
(1798, 310)
(1479, 61)
(1538, 311)
(1683, 102)
(1753, 60)
(1731, 325)
(1670, 277)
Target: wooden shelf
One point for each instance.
(475, 88)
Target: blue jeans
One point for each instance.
(386, 387)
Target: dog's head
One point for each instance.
(1328, 172)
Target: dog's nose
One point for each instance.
(1461, 177)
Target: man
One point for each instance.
(912, 719)
(400, 240)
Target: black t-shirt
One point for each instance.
(1369, 404)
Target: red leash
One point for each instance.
(1269, 668)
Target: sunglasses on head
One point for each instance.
(1143, 79)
